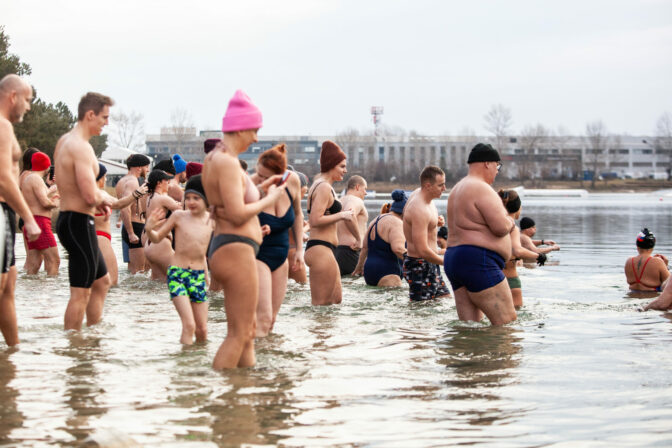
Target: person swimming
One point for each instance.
(646, 271)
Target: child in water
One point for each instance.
(187, 271)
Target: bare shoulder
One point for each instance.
(6, 127)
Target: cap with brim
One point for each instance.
(483, 152)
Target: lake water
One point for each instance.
(580, 367)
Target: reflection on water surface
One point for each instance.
(580, 365)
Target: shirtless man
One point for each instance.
(76, 172)
(527, 230)
(131, 216)
(36, 194)
(479, 242)
(420, 218)
(15, 98)
(349, 245)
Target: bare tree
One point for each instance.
(128, 130)
(498, 122)
(664, 139)
(597, 140)
(531, 138)
(181, 126)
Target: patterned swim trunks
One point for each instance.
(424, 280)
(186, 282)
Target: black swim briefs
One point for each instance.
(77, 234)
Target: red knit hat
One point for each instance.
(194, 168)
(330, 156)
(40, 162)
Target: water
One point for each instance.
(580, 367)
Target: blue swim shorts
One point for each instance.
(473, 267)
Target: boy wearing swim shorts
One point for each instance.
(186, 274)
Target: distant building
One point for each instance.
(388, 158)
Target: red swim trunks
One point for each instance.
(46, 239)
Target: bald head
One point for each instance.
(16, 95)
(12, 83)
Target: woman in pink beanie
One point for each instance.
(324, 211)
(237, 236)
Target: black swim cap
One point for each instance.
(483, 152)
(526, 223)
(195, 185)
(646, 239)
(443, 232)
(137, 160)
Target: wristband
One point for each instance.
(542, 242)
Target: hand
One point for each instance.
(157, 217)
(104, 209)
(133, 238)
(33, 231)
(297, 261)
(141, 190)
(555, 247)
(346, 214)
(119, 224)
(265, 230)
(441, 221)
(271, 181)
(357, 245)
(549, 242)
(662, 257)
(358, 272)
(541, 259)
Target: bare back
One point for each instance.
(477, 217)
(76, 168)
(35, 193)
(645, 272)
(345, 236)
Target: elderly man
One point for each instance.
(349, 244)
(479, 242)
(15, 98)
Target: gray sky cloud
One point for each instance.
(316, 67)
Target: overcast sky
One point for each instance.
(317, 66)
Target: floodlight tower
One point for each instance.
(376, 112)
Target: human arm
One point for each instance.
(664, 300)
(318, 206)
(297, 260)
(398, 240)
(359, 269)
(519, 251)
(9, 187)
(157, 218)
(419, 229)
(233, 207)
(35, 184)
(128, 199)
(493, 212)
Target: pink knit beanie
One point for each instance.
(241, 114)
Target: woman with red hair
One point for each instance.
(324, 211)
(278, 218)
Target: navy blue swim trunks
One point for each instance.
(473, 267)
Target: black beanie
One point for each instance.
(195, 185)
(137, 160)
(483, 152)
(526, 223)
(166, 165)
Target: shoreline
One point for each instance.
(601, 186)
